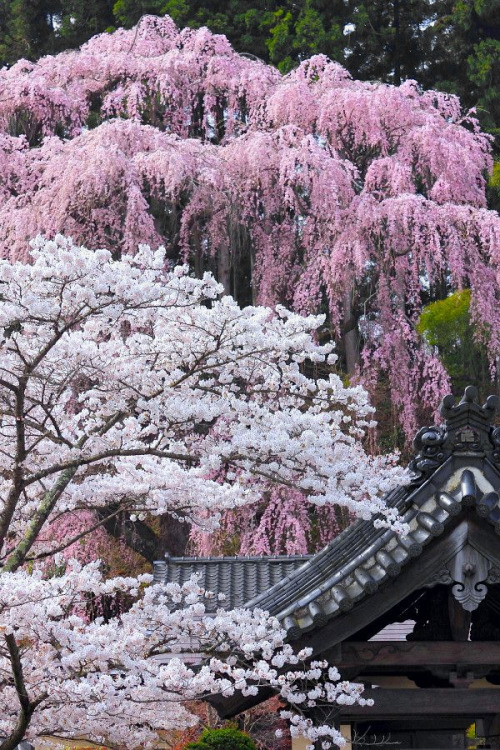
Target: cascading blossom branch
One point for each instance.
(126, 388)
(121, 681)
(325, 190)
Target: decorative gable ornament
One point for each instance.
(468, 429)
(468, 573)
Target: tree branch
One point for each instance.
(27, 707)
(76, 538)
(18, 556)
(19, 456)
(112, 453)
(136, 534)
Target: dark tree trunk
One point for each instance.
(350, 335)
(136, 534)
(224, 269)
(173, 537)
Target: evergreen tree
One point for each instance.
(389, 41)
(465, 59)
(128, 12)
(27, 29)
(298, 31)
(80, 21)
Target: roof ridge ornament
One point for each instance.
(468, 429)
(470, 403)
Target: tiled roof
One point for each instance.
(457, 467)
(238, 578)
(362, 559)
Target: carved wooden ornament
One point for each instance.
(469, 570)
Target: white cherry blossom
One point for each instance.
(129, 387)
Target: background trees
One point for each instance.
(468, 64)
(28, 28)
(361, 200)
(445, 44)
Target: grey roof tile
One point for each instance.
(239, 578)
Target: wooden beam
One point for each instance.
(374, 654)
(424, 702)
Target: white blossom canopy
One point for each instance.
(127, 385)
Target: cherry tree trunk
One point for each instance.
(173, 536)
(351, 334)
(224, 268)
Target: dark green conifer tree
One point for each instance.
(27, 29)
(81, 20)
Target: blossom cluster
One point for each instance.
(120, 682)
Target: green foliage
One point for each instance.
(446, 325)
(484, 72)
(27, 29)
(390, 41)
(299, 32)
(79, 21)
(495, 177)
(494, 188)
(280, 44)
(223, 739)
(469, 59)
(178, 10)
(317, 33)
(128, 12)
(446, 322)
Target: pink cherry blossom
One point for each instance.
(332, 192)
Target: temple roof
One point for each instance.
(240, 579)
(456, 471)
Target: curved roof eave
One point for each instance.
(362, 559)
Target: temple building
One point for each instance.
(415, 618)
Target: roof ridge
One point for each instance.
(221, 558)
